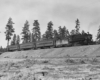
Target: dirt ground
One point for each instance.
(50, 69)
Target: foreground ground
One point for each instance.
(46, 69)
(75, 63)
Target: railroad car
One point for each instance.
(45, 43)
(13, 47)
(26, 46)
(61, 43)
(78, 39)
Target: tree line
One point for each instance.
(35, 35)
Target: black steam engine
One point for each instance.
(81, 39)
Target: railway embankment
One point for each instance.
(90, 50)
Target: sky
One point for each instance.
(60, 12)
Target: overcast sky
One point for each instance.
(60, 12)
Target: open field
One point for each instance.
(69, 63)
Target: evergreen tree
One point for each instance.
(30, 37)
(1, 49)
(56, 35)
(73, 32)
(25, 32)
(65, 33)
(60, 33)
(13, 42)
(77, 26)
(36, 30)
(49, 31)
(98, 35)
(9, 30)
(44, 36)
(83, 32)
(33, 38)
(18, 39)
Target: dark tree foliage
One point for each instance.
(18, 39)
(56, 35)
(49, 31)
(36, 31)
(30, 37)
(44, 36)
(9, 30)
(98, 35)
(60, 32)
(2, 50)
(77, 26)
(63, 33)
(83, 32)
(73, 32)
(25, 32)
(33, 38)
(13, 42)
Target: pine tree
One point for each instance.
(98, 35)
(18, 39)
(60, 33)
(36, 30)
(13, 42)
(77, 26)
(33, 38)
(56, 35)
(30, 37)
(83, 32)
(1, 49)
(73, 32)
(9, 30)
(44, 36)
(49, 31)
(63, 33)
(25, 32)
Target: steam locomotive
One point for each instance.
(72, 40)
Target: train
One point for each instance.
(71, 40)
(81, 39)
